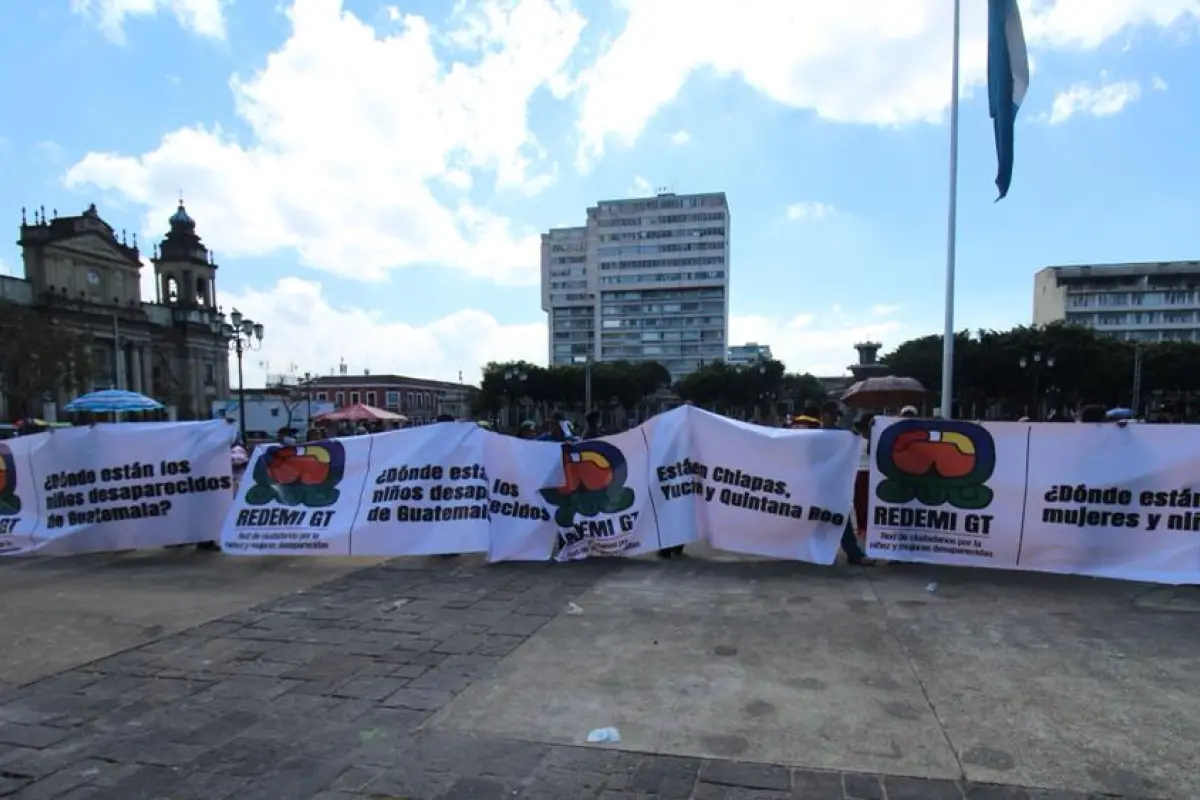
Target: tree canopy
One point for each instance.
(1026, 369)
(39, 358)
(616, 384)
(763, 389)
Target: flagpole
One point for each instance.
(951, 232)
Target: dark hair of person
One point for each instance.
(1093, 414)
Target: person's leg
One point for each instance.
(852, 549)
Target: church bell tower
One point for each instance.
(184, 270)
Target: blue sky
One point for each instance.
(373, 176)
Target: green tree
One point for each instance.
(1026, 370)
(39, 358)
(615, 385)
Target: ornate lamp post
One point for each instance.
(511, 376)
(240, 334)
(308, 383)
(1035, 364)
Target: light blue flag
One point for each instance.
(1008, 81)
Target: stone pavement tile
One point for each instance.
(711, 791)
(856, 786)
(244, 756)
(31, 735)
(90, 773)
(481, 789)
(370, 688)
(409, 782)
(300, 777)
(668, 777)
(810, 784)
(11, 784)
(901, 788)
(35, 764)
(161, 783)
(747, 776)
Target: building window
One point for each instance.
(392, 400)
(341, 399)
(354, 399)
(323, 396)
(370, 398)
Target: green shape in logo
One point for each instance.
(299, 475)
(936, 462)
(594, 474)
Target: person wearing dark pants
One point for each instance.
(831, 414)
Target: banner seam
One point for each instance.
(1025, 494)
(650, 492)
(361, 493)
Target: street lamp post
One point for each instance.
(1035, 364)
(308, 379)
(587, 381)
(511, 376)
(240, 334)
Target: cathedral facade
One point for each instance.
(84, 276)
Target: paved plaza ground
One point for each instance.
(187, 675)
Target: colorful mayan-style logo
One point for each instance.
(936, 462)
(299, 475)
(10, 504)
(594, 474)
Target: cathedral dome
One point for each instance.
(181, 219)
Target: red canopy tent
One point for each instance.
(360, 413)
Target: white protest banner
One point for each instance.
(120, 486)
(676, 486)
(769, 491)
(427, 493)
(523, 527)
(947, 491)
(299, 499)
(602, 507)
(19, 515)
(456, 488)
(1114, 501)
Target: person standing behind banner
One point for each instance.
(830, 415)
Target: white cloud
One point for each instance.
(202, 17)
(804, 212)
(1086, 24)
(302, 328)
(820, 343)
(49, 152)
(680, 138)
(859, 61)
(350, 127)
(640, 188)
(1159, 84)
(1098, 100)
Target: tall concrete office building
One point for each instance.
(645, 279)
(1147, 302)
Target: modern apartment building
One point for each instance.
(645, 279)
(1148, 302)
(741, 355)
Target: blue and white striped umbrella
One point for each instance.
(107, 401)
